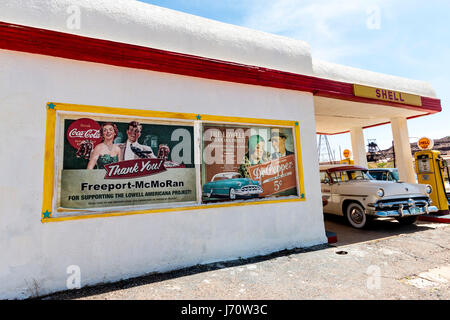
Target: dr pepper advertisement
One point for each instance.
(247, 162)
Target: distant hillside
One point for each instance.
(442, 145)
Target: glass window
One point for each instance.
(324, 177)
(395, 175)
(343, 176)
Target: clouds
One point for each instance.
(331, 27)
(412, 40)
(294, 17)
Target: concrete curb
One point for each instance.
(436, 218)
(332, 237)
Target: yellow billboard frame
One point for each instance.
(49, 156)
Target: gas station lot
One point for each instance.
(385, 261)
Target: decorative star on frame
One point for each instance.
(199, 117)
(51, 106)
(46, 214)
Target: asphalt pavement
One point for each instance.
(386, 261)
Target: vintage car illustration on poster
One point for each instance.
(349, 191)
(231, 185)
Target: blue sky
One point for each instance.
(409, 39)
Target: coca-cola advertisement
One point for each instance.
(247, 162)
(107, 162)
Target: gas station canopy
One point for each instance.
(337, 114)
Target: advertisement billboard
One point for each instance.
(108, 162)
(104, 162)
(247, 162)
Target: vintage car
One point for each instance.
(231, 185)
(350, 191)
(384, 174)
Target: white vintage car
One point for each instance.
(351, 191)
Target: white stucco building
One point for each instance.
(130, 55)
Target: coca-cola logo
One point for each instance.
(134, 168)
(84, 129)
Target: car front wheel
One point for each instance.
(232, 194)
(355, 215)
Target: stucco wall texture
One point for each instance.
(35, 256)
(109, 249)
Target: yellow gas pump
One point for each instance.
(430, 170)
(347, 159)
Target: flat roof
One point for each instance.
(231, 53)
(143, 24)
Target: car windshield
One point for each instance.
(350, 175)
(220, 178)
(395, 175)
(226, 177)
(379, 175)
(384, 175)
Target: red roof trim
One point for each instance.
(374, 125)
(431, 105)
(63, 45)
(342, 168)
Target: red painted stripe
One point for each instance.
(64, 45)
(344, 167)
(374, 125)
(332, 237)
(430, 105)
(434, 218)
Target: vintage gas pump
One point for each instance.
(430, 170)
(347, 159)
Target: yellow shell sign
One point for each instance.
(346, 153)
(386, 95)
(425, 143)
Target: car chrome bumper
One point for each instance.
(401, 212)
(249, 191)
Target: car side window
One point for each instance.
(324, 177)
(374, 174)
(339, 176)
(344, 176)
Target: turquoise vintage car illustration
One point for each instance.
(231, 185)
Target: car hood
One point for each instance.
(245, 181)
(242, 181)
(370, 187)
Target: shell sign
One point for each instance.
(346, 153)
(386, 95)
(425, 143)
